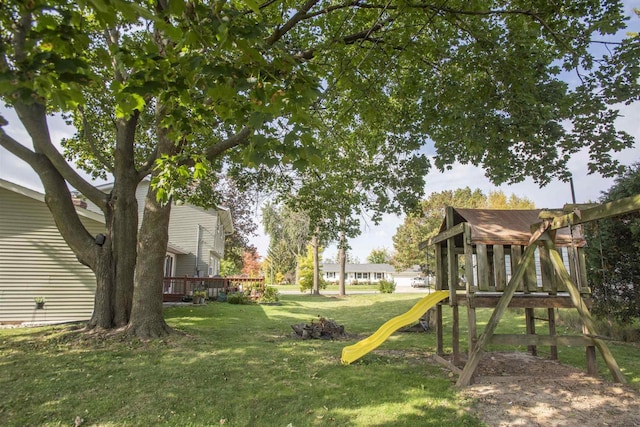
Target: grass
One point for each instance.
(239, 366)
(332, 287)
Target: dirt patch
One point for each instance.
(517, 389)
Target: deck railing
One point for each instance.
(178, 288)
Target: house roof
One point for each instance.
(507, 227)
(226, 219)
(35, 195)
(175, 249)
(359, 268)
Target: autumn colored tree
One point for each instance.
(251, 263)
(308, 273)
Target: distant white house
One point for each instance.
(358, 272)
(35, 261)
(370, 273)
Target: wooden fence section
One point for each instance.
(177, 288)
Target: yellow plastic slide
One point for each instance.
(356, 351)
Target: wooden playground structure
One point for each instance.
(518, 258)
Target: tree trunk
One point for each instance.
(316, 266)
(146, 319)
(103, 306)
(124, 232)
(342, 264)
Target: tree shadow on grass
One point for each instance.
(235, 366)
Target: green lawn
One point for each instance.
(348, 288)
(239, 366)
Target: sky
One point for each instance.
(554, 195)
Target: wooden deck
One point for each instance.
(177, 288)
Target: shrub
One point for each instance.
(270, 294)
(386, 286)
(627, 331)
(238, 298)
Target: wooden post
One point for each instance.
(439, 285)
(578, 302)
(516, 255)
(551, 314)
(499, 267)
(468, 271)
(440, 344)
(530, 321)
(474, 359)
(452, 270)
(483, 266)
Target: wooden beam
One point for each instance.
(447, 234)
(472, 364)
(453, 368)
(556, 259)
(482, 259)
(545, 340)
(606, 210)
(521, 301)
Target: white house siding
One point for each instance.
(199, 233)
(36, 262)
(359, 272)
(183, 233)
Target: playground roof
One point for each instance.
(507, 226)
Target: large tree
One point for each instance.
(366, 173)
(289, 235)
(379, 256)
(613, 255)
(174, 90)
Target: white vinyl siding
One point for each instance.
(196, 231)
(36, 262)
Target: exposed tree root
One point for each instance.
(148, 330)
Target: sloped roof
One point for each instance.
(36, 195)
(359, 268)
(507, 226)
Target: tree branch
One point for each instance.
(17, 149)
(33, 117)
(233, 141)
(350, 39)
(297, 17)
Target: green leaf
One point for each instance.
(254, 6)
(129, 102)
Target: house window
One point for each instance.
(362, 275)
(169, 262)
(378, 276)
(330, 274)
(214, 266)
